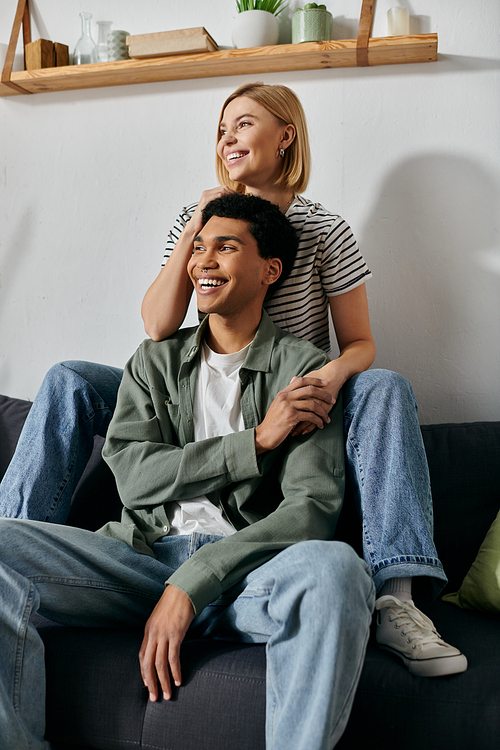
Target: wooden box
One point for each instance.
(39, 54)
(61, 54)
(163, 43)
(45, 54)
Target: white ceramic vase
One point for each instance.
(255, 28)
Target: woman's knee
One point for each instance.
(376, 390)
(381, 380)
(81, 376)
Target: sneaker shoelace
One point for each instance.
(415, 625)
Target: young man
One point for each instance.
(222, 503)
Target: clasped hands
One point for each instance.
(296, 410)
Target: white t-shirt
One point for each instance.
(216, 411)
(328, 263)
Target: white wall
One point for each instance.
(90, 182)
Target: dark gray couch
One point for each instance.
(95, 694)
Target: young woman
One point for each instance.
(263, 149)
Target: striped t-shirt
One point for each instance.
(328, 263)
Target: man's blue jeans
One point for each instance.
(311, 605)
(386, 461)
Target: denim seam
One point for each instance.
(90, 584)
(354, 686)
(250, 593)
(62, 487)
(412, 559)
(20, 646)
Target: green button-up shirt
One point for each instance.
(281, 497)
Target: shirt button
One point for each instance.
(165, 529)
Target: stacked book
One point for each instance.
(180, 42)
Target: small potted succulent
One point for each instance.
(256, 24)
(312, 23)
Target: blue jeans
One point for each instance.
(311, 605)
(389, 477)
(75, 402)
(386, 461)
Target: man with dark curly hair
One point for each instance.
(227, 512)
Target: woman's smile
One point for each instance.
(233, 156)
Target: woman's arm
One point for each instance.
(351, 321)
(166, 302)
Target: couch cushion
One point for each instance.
(95, 695)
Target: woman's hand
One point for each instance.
(333, 379)
(166, 302)
(304, 399)
(206, 196)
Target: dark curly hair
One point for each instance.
(273, 233)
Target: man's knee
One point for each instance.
(329, 566)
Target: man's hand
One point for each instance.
(163, 635)
(304, 400)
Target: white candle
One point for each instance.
(398, 21)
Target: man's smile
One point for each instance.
(209, 283)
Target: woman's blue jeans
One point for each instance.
(311, 604)
(386, 461)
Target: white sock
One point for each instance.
(398, 587)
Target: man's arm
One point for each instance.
(311, 474)
(166, 628)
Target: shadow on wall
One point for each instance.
(431, 241)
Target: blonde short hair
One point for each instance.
(284, 104)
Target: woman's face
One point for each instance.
(250, 141)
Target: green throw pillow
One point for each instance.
(481, 586)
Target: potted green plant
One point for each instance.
(312, 23)
(256, 24)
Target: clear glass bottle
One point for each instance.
(86, 49)
(102, 40)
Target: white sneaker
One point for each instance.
(406, 632)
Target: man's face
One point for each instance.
(226, 269)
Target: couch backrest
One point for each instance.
(464, 465)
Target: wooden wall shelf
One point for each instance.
(282, 57)
(361, 52)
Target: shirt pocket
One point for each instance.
(169, 415)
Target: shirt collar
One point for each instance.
(259, 354)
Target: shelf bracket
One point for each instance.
(22, 17)
(364, 30)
